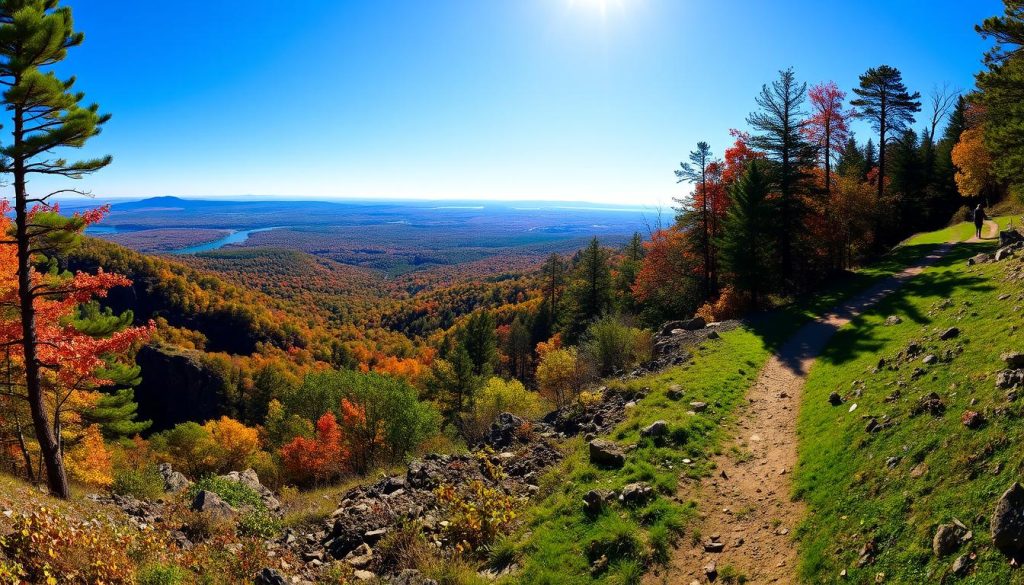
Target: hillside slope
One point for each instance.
(926, 433)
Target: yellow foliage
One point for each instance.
(973, 162)
(89, 461)
(235, 445)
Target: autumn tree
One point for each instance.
(779, 123)
(667, 284)
(883, 100)
(973, 163)
(746, 245)
(45, 115)
(828, 125)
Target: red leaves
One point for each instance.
(828, 125)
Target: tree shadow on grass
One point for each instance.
(861, 336)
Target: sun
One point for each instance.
(600, 6)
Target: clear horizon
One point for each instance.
(554, 100)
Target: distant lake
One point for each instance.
(100, 230)
(235, 237)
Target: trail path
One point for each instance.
(747, 504)
(991, 232)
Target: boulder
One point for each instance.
(249, 479)
(606, 454)
(1010, 236)
(669, 326)
(947, 539)
(634, 494)
(1003, 254)
(972, 419)
(951, 333)
(675, 392)
(694, 324)
(594, 501)
(504, 430)
(1007, 525)
(978, 259)
(210, 503)
(893, 320)
(268, 576)
(174, 481)
(1013, 359)
(699, 406)
(835, 399)
(1010, 378)
(930, 359)
(657, 428)
(361, 557)
(962, 565)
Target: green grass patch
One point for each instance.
(561, 543)
(891, 488)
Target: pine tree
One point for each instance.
(45, 116)
(628, 268)
(779, 123)
(746, 245)
(851, 161)
(885, 102)
(480, 340)
(590, 292)
(1002, 93)
(697, 173)
(870, 158)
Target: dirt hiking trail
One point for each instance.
(746, 508)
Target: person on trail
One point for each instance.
(979, 220)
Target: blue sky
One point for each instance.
(512, 99)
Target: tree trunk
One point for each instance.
(56, 479)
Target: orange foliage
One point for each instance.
(235, 443)
(319, 459)
(90, 461)
(973, 162)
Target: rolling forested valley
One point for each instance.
(804, 369)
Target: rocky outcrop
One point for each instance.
(184, 388)
(174, 481)
(210, 503)
(252, 481)
(1007, 524)
(606, 454)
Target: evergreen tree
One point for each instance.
(629, 267)
(115, 413)
(907, 181)
(553, 274)
(479, 339)
(45, 115)
(746, 245)
(1002, 94)
(870, 158)
(519, 349)
(697, 173)
(590, 293)
(887, 105)
(778, 123)
(851, 161)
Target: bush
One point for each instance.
(144, 483)
(562, 374)
(235, 493)
(496, 397)
(476, 518)
(161, 574)
(259, 522)
(615, 346)
(48, 548)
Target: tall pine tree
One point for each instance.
(45, 115)
(696, 172)
(746, 245)
(1002, 93)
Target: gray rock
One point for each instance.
(893, 320)
(1013, 359)
(1010, 378)
(675, 392)
(362, 575)
(930, 359)
(250, 479)
(606, 454)
(713, 335)
(594, 501)
(1009, 236)
(360, 557)
(669, 326)
(962, 565)
(1007, 524)
(1003, 254)
(174, 481)
(634, 494)
(410, 577)
(699, 406)
(979, 259)
(657, 428)
(950, 333)
(269, 576)
(694, 324)
(835, 399)
(210, 503)
(947, 539)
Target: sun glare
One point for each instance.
(600, 6)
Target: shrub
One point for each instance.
(402, 548)
(48, 548)
(496, 397)
(614, 346)
(259, 522)
(235, 493)
(161, 574)
(475, 518)
(562, 374)
(144, 483)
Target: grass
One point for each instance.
(561, 542)
(944, 470)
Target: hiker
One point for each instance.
(979, 220)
